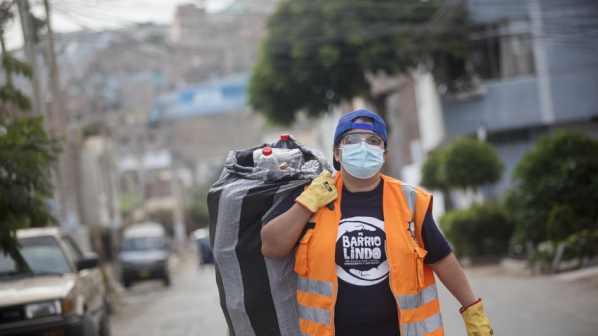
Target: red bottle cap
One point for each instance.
(267, 151)
(284, 137)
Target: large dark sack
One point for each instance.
(258, 295)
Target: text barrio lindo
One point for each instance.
(362, 247)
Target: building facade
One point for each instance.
(538, 74)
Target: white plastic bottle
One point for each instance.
(285, 142)
(267, 160)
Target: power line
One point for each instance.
(351, 60)
(382, 30)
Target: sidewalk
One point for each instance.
(564, 304)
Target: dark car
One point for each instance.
(145, 254)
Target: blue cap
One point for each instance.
(346, 123)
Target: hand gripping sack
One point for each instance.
(258, 296)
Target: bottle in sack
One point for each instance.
(285, 142)
(267, 160)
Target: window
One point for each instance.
(502, 50)
(144, 244)
(72, 248)
(509, 137)
(42, 254)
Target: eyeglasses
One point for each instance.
(355, 138)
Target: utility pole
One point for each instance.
(27, 23)
(58, 115)
(140, 148)
(10, 108)
(66, 193)
(4, 52)
(177, 212)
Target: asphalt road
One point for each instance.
(189, 307)
(515, 305)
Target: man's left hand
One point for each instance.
(476, 322)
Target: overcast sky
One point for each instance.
(71, 15)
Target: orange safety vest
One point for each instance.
(411, 281)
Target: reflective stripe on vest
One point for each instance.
(313, 286)
(414, 301)
(423, 327)
(410, 195)
(314, 314)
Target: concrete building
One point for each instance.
(225, 42)
(536, 61)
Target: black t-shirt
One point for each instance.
(365, 304)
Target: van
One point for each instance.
(145, 253)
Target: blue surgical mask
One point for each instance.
(361, 160)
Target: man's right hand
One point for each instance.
(321, 192)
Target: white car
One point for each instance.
(61, 294)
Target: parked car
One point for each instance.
(145, 253)
(62, 292)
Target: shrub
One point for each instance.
(480, 230)
(558, 171)
(582, 244)
(469, 163)
(561, 223)
(430, 170)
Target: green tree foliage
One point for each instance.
(561, 223)
(432, 179)
(26, 153)
(319, 52)
(480, 230)
(467, 163)
(13, 65)
(431, 176)
(558, 171)
(197, 210)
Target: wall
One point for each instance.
(507, 103)
(429, 111)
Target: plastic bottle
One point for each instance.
(267, 160)
(285, 142)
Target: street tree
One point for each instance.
(197, 210)
(321, 52)
(432, 179)
(465, 164)
(470, 164)
(26, 155)
(7, 14)
(555, 189)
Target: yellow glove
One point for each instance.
(476, 322)
(321, 192)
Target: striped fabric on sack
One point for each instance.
(258, 296)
